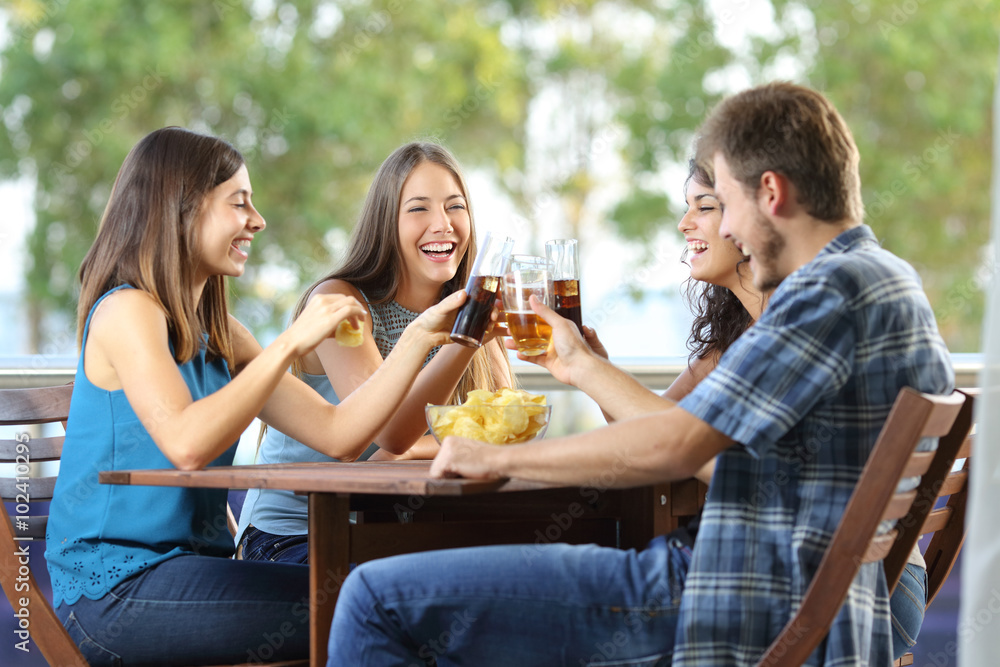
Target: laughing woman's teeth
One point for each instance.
(437, 248)
(697, 246)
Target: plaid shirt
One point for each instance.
(804, 392)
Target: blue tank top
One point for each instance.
(283, 512)
(100, 534)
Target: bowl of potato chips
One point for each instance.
(503, 417)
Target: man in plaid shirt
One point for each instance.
(793, 409)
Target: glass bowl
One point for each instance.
(495, 424)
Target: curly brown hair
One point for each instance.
(719, 316)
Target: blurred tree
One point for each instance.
(915, 83)
(583, 110)
(617, 90)
(669, 101)
(600, 74)
(316, 95)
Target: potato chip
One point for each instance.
(348, 336)
(507, 416)
(479, 397)
(440, 416)
(514, 421)
(468, 427)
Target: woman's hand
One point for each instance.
(319, 320)
(436, 322)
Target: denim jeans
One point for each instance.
(258, 545)
(907, 608)
(523, 605)
(196, 610)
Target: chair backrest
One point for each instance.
(23, 407)
(945, 524)
(913, 416)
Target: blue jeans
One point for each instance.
(907, 608)
(258, 545)
(196, 610)
(523, 605)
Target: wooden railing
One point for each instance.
(48, 370)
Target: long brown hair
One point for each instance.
(374, 258)
(147, 237)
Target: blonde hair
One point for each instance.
(374, 257)
(147, 237)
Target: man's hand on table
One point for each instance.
(461, 457)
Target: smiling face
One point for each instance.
(434, 226)
(226, 224)
(712, 259)
(746, 225)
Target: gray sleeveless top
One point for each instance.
(283, 512)
(388, 322)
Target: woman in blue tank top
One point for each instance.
(413, 245)
(142, 575)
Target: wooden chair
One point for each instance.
(23, 407)
(913, 416)
(945, 524)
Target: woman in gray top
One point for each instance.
(413, 245)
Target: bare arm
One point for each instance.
(663, 446)
(349, 369)
(580, 362)
(689, 378)
(696, 371)
(345, 430)
(424, 448)
(192, 433)
(572, 361)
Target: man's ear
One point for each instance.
(773, 192)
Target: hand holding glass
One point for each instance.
(527, 277)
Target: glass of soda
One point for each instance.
(565, 258)
(528, 276)
(484, 282)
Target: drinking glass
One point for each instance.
(484, 281)
(565, 258)
(527, 276)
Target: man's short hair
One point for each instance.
(793, 131)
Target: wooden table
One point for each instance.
(400, 509)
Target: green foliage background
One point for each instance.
(316, 94)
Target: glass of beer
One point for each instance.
(565, 258)
(484, 281)
(528, 276)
